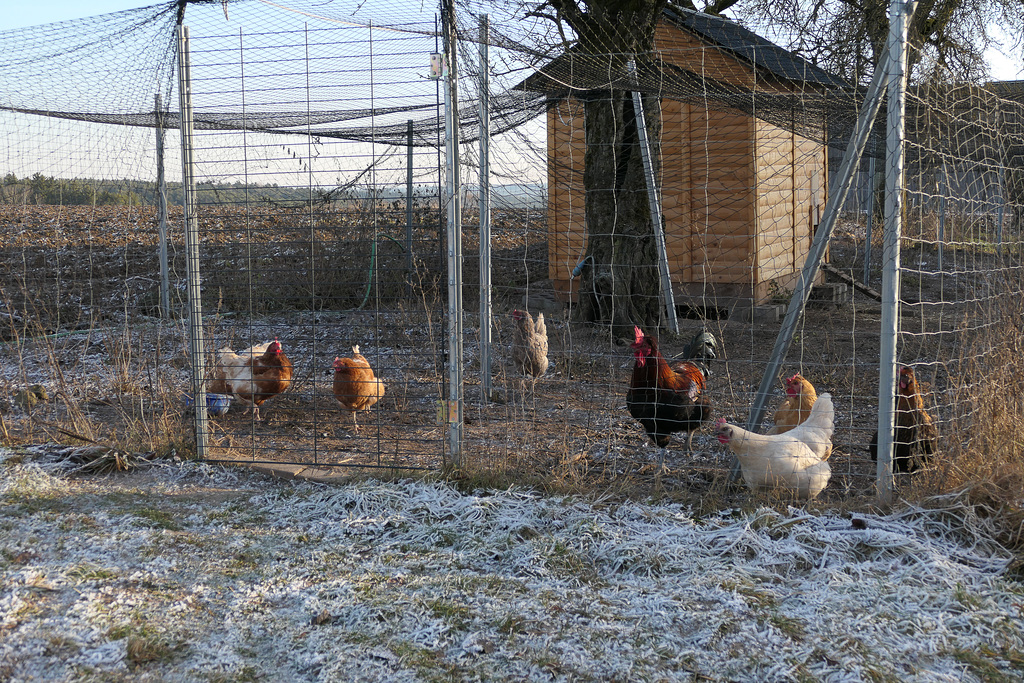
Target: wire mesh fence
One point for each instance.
(322, 211)
(350, 258)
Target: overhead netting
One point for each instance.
(122, 59)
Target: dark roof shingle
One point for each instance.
(751, 47)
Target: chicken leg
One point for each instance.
(662, 469)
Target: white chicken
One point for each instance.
(253, 375)
(792, 462)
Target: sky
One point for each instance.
(1007, 67)
(16, 13)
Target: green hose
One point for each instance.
(373, 267)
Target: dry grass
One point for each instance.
(984, 458)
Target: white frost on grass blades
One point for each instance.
(407, 581)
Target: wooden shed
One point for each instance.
(741, 195)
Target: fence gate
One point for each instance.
(319, 224)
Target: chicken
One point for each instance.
(701, 349)
(665, 399)
(800, 397)
(253, 375)
(355, 386)
(530, 344)
(915, 435)
(793, 462)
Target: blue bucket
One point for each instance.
(216, 404)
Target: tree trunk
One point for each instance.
(622, 285)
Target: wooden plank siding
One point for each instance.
(706, 187)
(740, 197)
(791, 192)
(775, 251)
(567, 233)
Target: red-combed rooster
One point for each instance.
(666, 398)
(254, 375)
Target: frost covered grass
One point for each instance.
(190, 572)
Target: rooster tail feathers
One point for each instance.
(704, 345)
(539, 327)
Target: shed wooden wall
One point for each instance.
(791, 184)
(707, 193)
(740, 196)
(567, 232)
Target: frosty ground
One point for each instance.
(189, 572)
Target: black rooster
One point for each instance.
(669, 398)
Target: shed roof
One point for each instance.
(1010, 90)
(751, 47)
(576, 71)
(818, 97)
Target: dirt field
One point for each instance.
(79, 318)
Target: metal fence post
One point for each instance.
(1001, 198)
(654, 201)
(408, 210)
(899, 21)
(161, 210)
(943, 191)
(870, 221)
(453, 186)
(195, 321)
(485, 212)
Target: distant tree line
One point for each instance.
(44, 189)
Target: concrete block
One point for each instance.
(758, 314)
(832, 293)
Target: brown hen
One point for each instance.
(253, 375)
(914, 437)
(355, 386)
